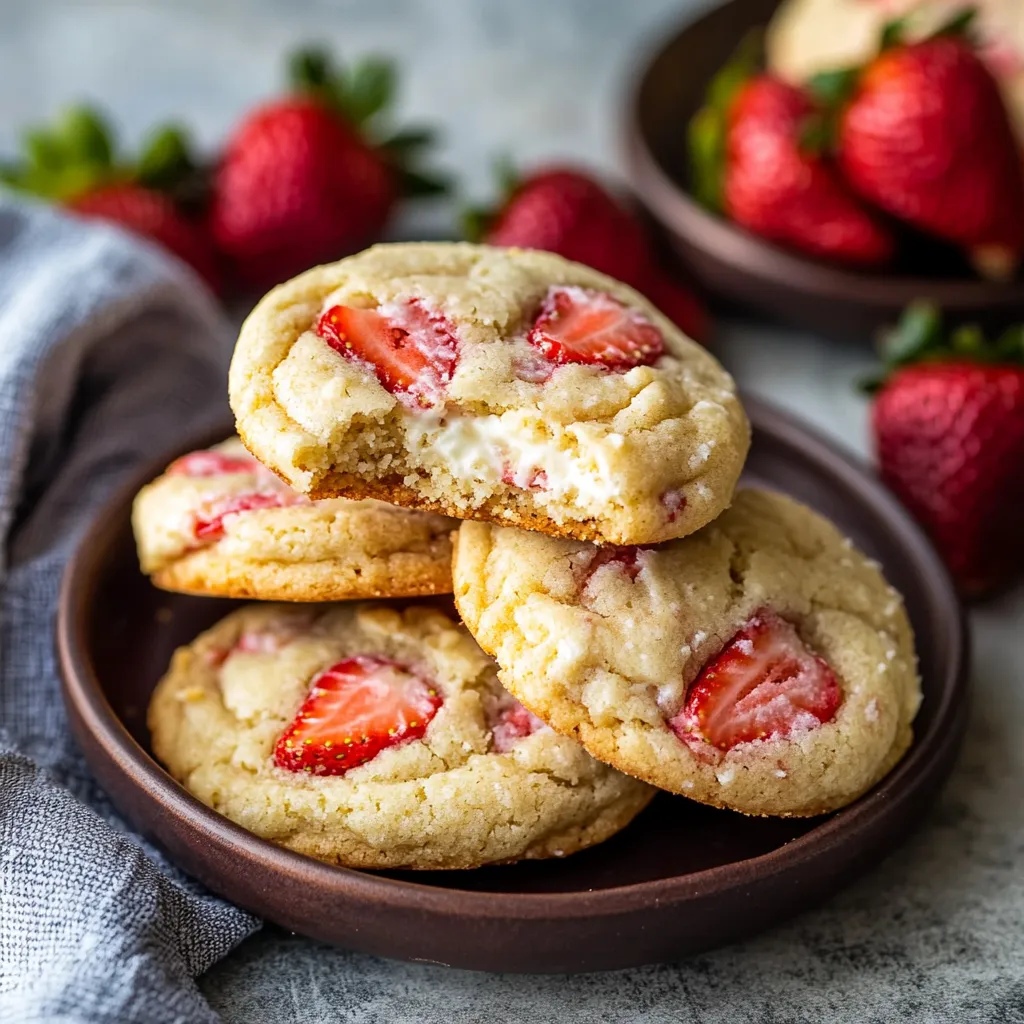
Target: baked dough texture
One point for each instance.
(328, 550)
(609, 660)
(452, 799)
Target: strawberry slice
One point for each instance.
(354, 710)
(512, 724)
(411, 349)
(211, 463)
(765, 684)
(209, 520)
(577, 325)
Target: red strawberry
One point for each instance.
(512, 724)
(411, 349)
(354, 710)
(765, 684)
(209, 521)
(74, 164)
(949, 434)
(211, 463)
(926, 137)
(576, 325)
(777, 187)
(565, 211)
(305, 179)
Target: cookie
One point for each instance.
(489, 383)
(218, 523)
(375, 738)
(762, 664)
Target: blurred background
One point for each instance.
(552, 73)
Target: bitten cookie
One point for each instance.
(218, 523)
(373, 738)
(492, 384)
(762, 664)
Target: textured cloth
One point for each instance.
(109, 351)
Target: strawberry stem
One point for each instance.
(920, 336)
(477, 220)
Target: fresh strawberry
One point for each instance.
(74, 164)
(354, 710)
(209, 520)
(566, 211)
(512, 724)
(211, 463)
(775, 184)
(411, 349)
(308, 178)
(925, 135)
(765, 684)
(948, 427)
(576, 325)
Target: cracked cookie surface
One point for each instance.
(217, 522)
(487, 383)
(635, 651)
(485, 783)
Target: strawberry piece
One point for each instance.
(354, 710)
(269, 640)
(211, 463)
(765, 684)
(512, 724)
(673, 502)
(927, 138)
(577, 325)
(209, 520)
(626, 558)
(412, 350)
(533, 480)
(777, 188)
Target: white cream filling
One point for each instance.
(493, 449)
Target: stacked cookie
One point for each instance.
(425, 418)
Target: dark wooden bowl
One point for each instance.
(680, 879)
(735, 265)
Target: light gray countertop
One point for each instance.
(934, 934)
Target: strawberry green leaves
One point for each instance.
(708, 127)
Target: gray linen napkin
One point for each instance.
(108, 351)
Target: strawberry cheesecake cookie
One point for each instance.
(218, 523)
(762, 664)
(375, 738)
(488, 383)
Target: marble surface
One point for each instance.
(936, 933)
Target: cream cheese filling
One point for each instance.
(552, 461)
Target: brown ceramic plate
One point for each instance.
(737, 266)
(681, 878)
